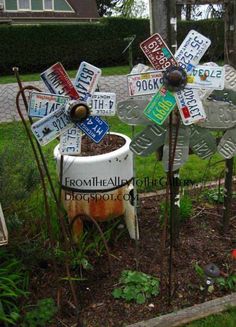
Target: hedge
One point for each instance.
(35, 47)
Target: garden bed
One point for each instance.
(201, 242)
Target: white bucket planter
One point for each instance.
(98, 186)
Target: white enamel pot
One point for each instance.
(95, 186)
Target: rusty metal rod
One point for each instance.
(16, 72)
(68, 244)
(47, 214)
(89, 218)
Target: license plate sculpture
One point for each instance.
(178, 81)
(72, 108)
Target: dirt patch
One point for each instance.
(108, 144)
(201, 241)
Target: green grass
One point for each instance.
(225, 319)
(106, 71)
(196, 169)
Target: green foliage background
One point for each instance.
(35, 47)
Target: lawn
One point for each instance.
(225, 319)
(196, 169)
(106, 71)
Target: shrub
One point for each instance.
(35, 47)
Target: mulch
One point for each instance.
(200, 241)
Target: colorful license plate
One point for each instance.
(58, 82)
(191, 50)
(157, 52)
(86, 80)
(51, 126)
(94, 127)
(160, 106)
(103, 104)
(144, 83)
(42, 104)
(70, 142)
(207, 77)
(190, 106)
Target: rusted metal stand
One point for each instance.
(40, 165)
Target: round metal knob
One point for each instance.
(78, 111)
(175, 78)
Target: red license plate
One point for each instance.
(58, 82)
(157, 52)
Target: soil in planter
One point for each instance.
(201, 241)
(108, 144)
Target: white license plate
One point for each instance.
(144, 83)
(191, 50)
(103, 104)
(3, 229)
(190, 106)
(51, 126)
(42, 104)
(207, 77)
(86, 80)
(70, 142)
(58, 82)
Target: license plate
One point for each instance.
(230, 77)
(191, 50)
(160, 106)
(103, 104)
(42, 104)
(94, 127)
(145, 83)
(202, 142)
(181, 150)
(157, 52)
(227, 145)
(207, 77)
(190, 106)
(131, 111)
(219, 115)
(58, 82)
(70, 142)
(149, 140)
(51, 126)
(86, 80)
(3, 229)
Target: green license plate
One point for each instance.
(160, 106)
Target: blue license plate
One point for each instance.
(94, 127)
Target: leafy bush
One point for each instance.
(227, 283)
(99, 43)
(41, 315)
(136, 286)
(12, 288)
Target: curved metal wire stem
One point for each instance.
(22, 89)
(89, 218)
(47, 214)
